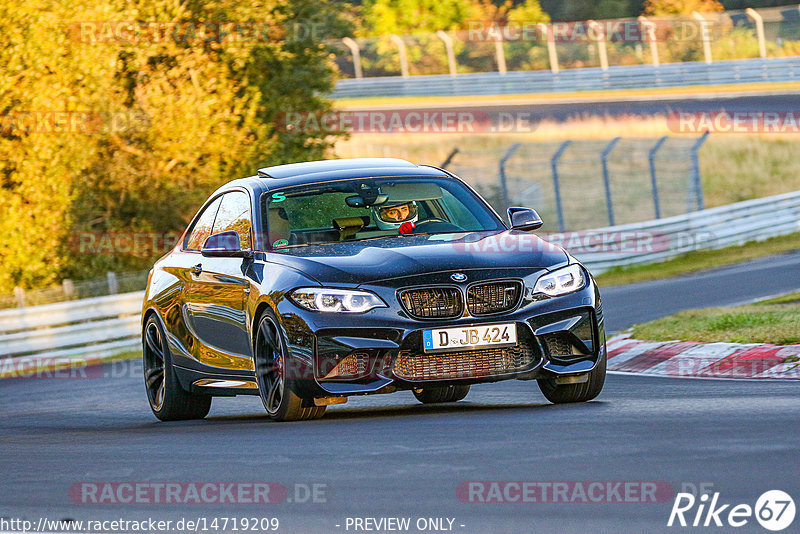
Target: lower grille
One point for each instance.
(480, 363)
(433, 302)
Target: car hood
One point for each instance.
(369, 261)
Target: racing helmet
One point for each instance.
(391, 216)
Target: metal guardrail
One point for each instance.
(620, 77)
(102, 326)
(88, 328)
(110, 284)
(659, 240)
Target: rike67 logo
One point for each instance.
(774, 510)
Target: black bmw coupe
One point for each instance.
(312, 282)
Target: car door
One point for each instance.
(216, 292)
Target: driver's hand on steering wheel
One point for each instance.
(407, 228)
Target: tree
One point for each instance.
(383, 17)
(172, 114)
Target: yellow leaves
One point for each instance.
(681, 7)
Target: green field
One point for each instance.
(775, 321)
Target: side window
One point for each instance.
(202, 228)
(234, 214)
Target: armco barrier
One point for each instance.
(88, 328)
(540, 81)
(103, 326)
(751, 220)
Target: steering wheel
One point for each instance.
(435, 224)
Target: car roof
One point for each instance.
(280, 176)
(312, 167)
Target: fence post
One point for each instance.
(759, 20)
(353, 46)
(704, 35)
(653, 182)
(503, 181)
(552, 54)
(113, 285)
(601, 43)
(69, 288)
(449, 158)
(401, 50)
(607, 179)
(697, 184)
(649, 29)
(19, 293)
(500, 56)
(451, 55)
(556, 186)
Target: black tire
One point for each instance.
(432, 395)
(277, 390)
(585, 391)
(317, 412)
(168, 400)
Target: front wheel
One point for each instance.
(275, 386)
(168, 400)
(585, 391)
(431, 395)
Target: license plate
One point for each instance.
(469, 337)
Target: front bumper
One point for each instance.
(561, 336)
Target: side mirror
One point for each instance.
(225, 244)
(524, 219)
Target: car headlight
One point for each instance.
(324, 299)
(561, 281)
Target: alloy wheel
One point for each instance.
(154, 366)
(271, 369)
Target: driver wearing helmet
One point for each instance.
(401, 217)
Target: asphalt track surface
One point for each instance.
(388, 456)
(629, 107)
(725, 286)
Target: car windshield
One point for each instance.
(368, 208)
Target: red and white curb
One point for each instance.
(690, 359)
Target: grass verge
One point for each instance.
(700, 260)
(775, 321)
